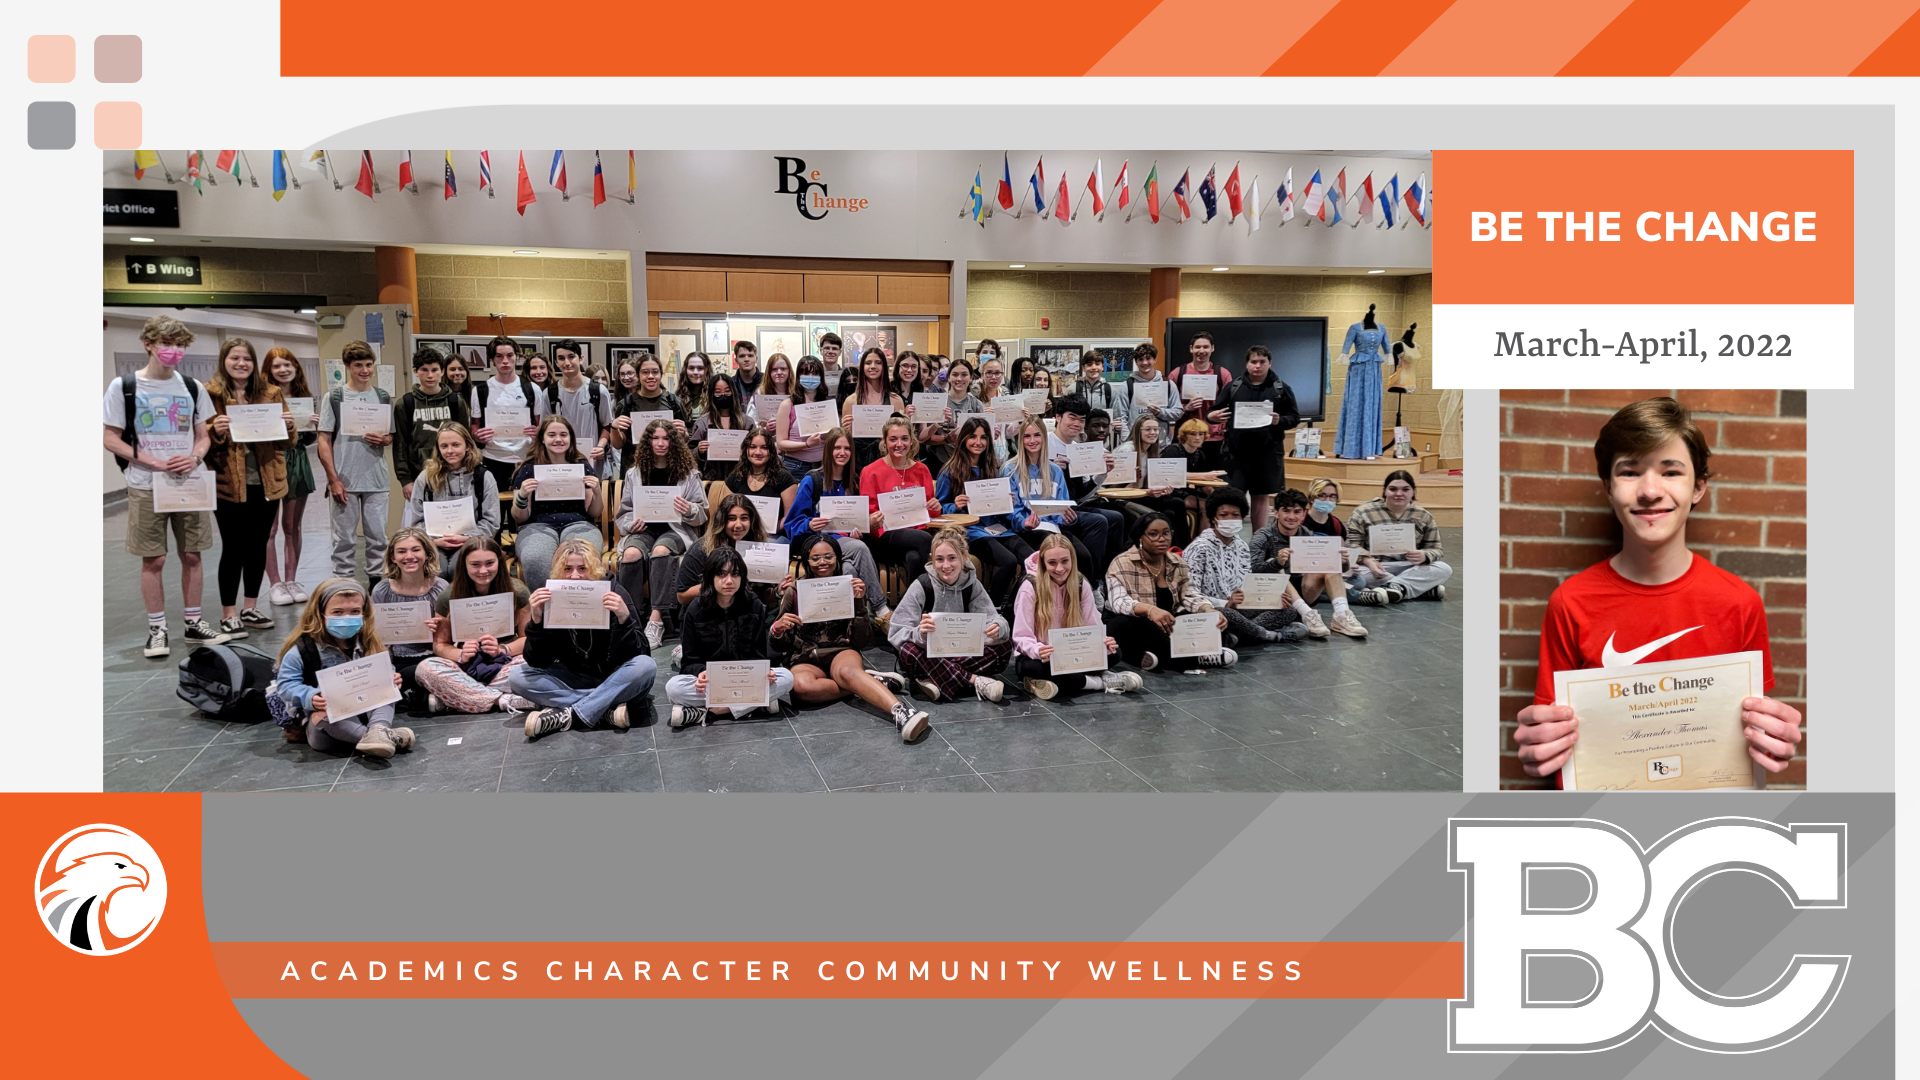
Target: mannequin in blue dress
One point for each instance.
(1360, 403)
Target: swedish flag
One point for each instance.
(978, 208)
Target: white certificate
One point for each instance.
(1403, 437)
(766, 407)
(769, 509)
(302, 410)
(509, 421)
(1668, 726)
(365, 418)
(765, 562)
(1313, 554)
(1125, 471)
(481, 616)
(1008, 409)
(558, 483)
(1252, 414)
(453, 517)
(1263, 592)
(903, 509)
(845, 513)
(1086, 459)
(1306, 443)
(1392, 539)
(1169, 472)
(1151, 393)
(1077, 648)
(723, 444)
(869, 420)
(737, 684)
(1046, 508)
(1200, 386)
(358, 686)
(637, 421)
(403, 623)
(929, 408)
(825, 599)
(654, 503)
(576, 605)
(958, 633)
(256, 423)
(816, 417)
(1195, 635)
(1035, 399)
(173, 494)
(990, 496)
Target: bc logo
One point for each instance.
(1623, 931)
(793, 182)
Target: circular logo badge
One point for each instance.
(100, 890)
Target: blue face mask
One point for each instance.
(1323, 506)
(343, 627)
(810, 382)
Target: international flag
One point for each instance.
(1234, 209)
(1336, 193)
(633, 182)
(1005, 195)
(1209, 198)
(1180, 196)
(1062, 212)
(194, 161)
(1285, 198)
(1389, 195)
(599, 181)
(451, 190)
(1416, 195)
(523, 198)
(365, 185)
(228, 162)
(406, 173)
(977, 202)
(1126, 197)
(1314, 198)
(1096, 183)
(316, 160)
(1369, 198)
(1253, 206)
(142, 161)
(486, 174)
(1330, 212)
(1151, 192)
(557, 172)
(1037, 185)
(279, 174)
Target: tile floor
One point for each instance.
(1381, 714)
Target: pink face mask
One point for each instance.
(170, 355)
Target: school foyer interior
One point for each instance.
(709, 252)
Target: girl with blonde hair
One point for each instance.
(455, 473)
(336, 627)
(582, 675)
(1057, 596)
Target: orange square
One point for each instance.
(50, 58)
(116, 125)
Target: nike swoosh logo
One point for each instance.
(1609, 658)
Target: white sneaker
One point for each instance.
(656, 633)
(686, 716)
(1121, 682)
(1149, 661)
(911, 722)
(434, 705)
(618, 718)
(1223, 658)
(156, 642)
(677, 653)
(988, 689)
(279, 595)
(1345, 623)
(1316, 626)
(1042, 689)
(928, 688)
(515, 703)
(299, 592)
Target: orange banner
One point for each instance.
(1370, 970)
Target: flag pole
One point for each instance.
(164, 171)
(251, 179)
(286, 162)
(1075, 216)
(327, 160)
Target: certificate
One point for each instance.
(403, 623)
(1166, 472)
(1151, 393)
(1125, 471)
(558, 483)
(1306, 443)
(765, 562)
(869, 420)
(991, 496)
(302, 410)
(358, 686)
(1008, 409)
(482, 616)
(1086, 459)
(1263, 592)
(903, 509)
(723, 444)
(737, 684)
(1035, 399)
(576, 605)
(451, 518)
(1077, 648)
(637, 421)
(931, 408)
(1046, 508)
(654, 503)
(364, 418)
(1392, 539)
(509, 421)
(769, 508)
(957, 633)
(1200, 386)
(256, 423)
(816, 417)
(1403, 437)
(1252, 414)
(1195, 635)
(766, 407)
(174, 494)
(1668, 726)
(825, 599)
(844, 513)
(1313, 554)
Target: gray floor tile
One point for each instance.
(1234, 769)
(574, 743)
(721, 731)
(623, 772)
(1128, 729)
(1360, 763)
(1087, 776)
(1025, 742)
(258, 766)
(1440, 745)
(127, 732)
(1256, 721)
(967, 782)
(479, 773)
(152, 770)
(839, 716)
(771, 765)
(875, 755)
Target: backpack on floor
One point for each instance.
(227, 682)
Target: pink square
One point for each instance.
(116, 58)
(116, 125)
(50, 58)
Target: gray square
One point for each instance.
(50, 125)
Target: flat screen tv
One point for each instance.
(1298, 344)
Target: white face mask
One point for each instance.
(1228, 527)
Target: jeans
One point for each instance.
(589, 697)
(1414, 579)
(1101, 530)
(658, 570)
(680, 690)
(535, 544)
(332, 735)
(367, 511)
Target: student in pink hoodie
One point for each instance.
(1056, 595)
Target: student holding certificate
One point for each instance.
(250, 481)
(650, 395)
(582, 675)
(995, 538)
(837, 478)
(825, 656)
(1257, 453)
(1194, 406)
(1034, 477)
(336, 627)
(799, 453)
(470, 675)
(356, 464)
(759, 472)
(1159, 401)
(1411, 575)
(898, 471)
(1056, 595)
(544, 523)
(662, 459)
(454, 476)
(1069, 427)
(1144, 445)
(411, 576)
(1271, 555)
(960, 404)
(734, 520)
(725, 622)
(723, 410)
(950, 588)
(506, 446)
(1219, 561)
(291, 380)
(1654, 600)
(1146, 587)
(871, 387)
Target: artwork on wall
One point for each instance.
(474, 355)
(716, 333)
(857, 339)
(790, 339)
(443, 346)
(816, 331)
(674, 347)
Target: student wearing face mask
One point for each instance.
(724, 409)
(1219, 560)
(335, 628)
(801, 453)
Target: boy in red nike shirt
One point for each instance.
(1655, 600)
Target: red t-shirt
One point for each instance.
(1599, 619)
(880, 477)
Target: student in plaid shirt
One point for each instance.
(1393, 578)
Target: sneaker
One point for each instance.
(378, 742)
(1229, 638)
(883, 620)
(1345, 623)
(1369, 597)
(1044, 689)
(618, 717)
(199, 633)
(1315, 624)
(677, 650)
(911, 722)
(1395, 594)
(434, 705)
(1293, 632)
(656, 633)
(256, 618)
(1223, 658)
(232, 629)
(279, 595)
(893, 680)
(686, 716)
(402, 737)
(928, 689)
(156, 642)
(1149, 661)
(299, 592)
(988, 689)
(511, 703)
(548, 721)
(1438, 592)
(1121, 682)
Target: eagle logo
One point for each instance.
(100, 889)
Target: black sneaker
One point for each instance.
(199, 633)
(548, 721)
(1438, 592)
(156, 642)
(686, 716)
(1395, 594)
(911, 722)
(233, 628)
(256, 618)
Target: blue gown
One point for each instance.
(1360, 405)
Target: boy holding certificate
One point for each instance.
(1654, 600)
(355, 460)
(1219, 561)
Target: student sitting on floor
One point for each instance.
(661, 459)
(825, 656)
(1219, 560)
(410, 577)
(1056, 595)
(471, 676)
(1271, 555)
(1146, 587)
(543, 523)
(336, 627)
(1391, 579)
(582, 675)
(725, 622)
(455, 473)
(951, 586)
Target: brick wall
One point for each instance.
(1554, 522)
(453, 287)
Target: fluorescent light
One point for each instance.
(308, 311)
(1016, 266)
(140, 239)
(1376, 271)
(1221, 269)
(525, 251)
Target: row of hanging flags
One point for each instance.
(202, 170)
(1381, 202)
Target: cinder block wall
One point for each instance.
(453, 287)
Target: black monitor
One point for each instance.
(1298, 344)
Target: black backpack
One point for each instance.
(227, 682)
(924, 584)
(126, 394)
(553, 396)
(526, 388)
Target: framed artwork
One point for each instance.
(442, 345)
(528, 350)
(816, 331)
(858, 338)
(586, 354)
(781, 338)
(716, 332)
(674, 347)
(474, 355)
